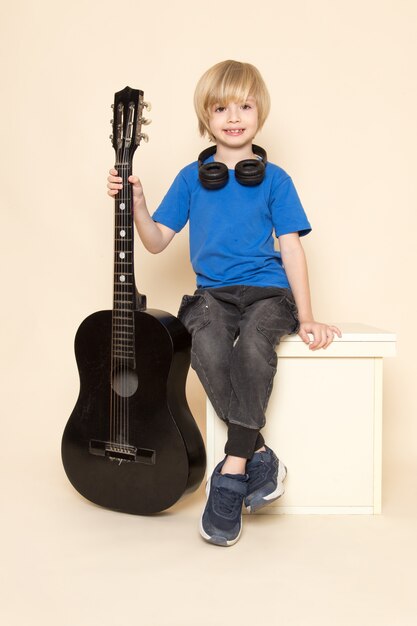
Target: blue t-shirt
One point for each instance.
(231, 229)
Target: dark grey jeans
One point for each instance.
(235, 331)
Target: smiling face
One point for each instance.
(234, 124)
(226, 85)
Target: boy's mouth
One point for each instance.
(234, 132)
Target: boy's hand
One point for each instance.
(323, 334)
(115, 183)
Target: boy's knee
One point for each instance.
(255, 349)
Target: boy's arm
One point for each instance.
(295, 266)
(155, 237)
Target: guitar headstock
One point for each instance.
(127, 122)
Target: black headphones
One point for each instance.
(214, 175)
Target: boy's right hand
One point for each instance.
(115, 183)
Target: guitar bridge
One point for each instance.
(122, 452)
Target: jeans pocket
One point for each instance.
(193, 312)
(277, 321)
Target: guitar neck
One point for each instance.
(124, 290)
(127, 110)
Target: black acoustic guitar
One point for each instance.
(131, 443)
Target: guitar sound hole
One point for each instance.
(125, 382)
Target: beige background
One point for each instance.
(343, 124)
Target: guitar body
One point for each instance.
(165, 455)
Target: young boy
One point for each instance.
(248, 295)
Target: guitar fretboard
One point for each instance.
(124, 290)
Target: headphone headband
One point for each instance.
(214, 175)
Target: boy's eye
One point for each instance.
(245, 106)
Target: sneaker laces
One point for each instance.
(227, 501)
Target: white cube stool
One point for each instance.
(324, 421)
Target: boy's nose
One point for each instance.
(234, 115)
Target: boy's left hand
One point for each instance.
(323, 334)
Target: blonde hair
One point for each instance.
(225, 82)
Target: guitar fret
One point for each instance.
(123, 352)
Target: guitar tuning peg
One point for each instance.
(111, 122)
(147, 105)
(144, 121)
(144, 136)
(112, 106)
(111, 137)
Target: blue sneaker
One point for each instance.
(266, 476)
(221, 522)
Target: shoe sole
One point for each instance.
(261, 501)
(217, 540)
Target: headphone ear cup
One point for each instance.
(213, 175)
(250, 172)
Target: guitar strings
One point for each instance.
(117, 370)
(113, 398)
(123, 307)
(126, 315)
(126, 288)
(124, 324)
(112, 368)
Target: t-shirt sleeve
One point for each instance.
(175, 206)
(288, 215)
